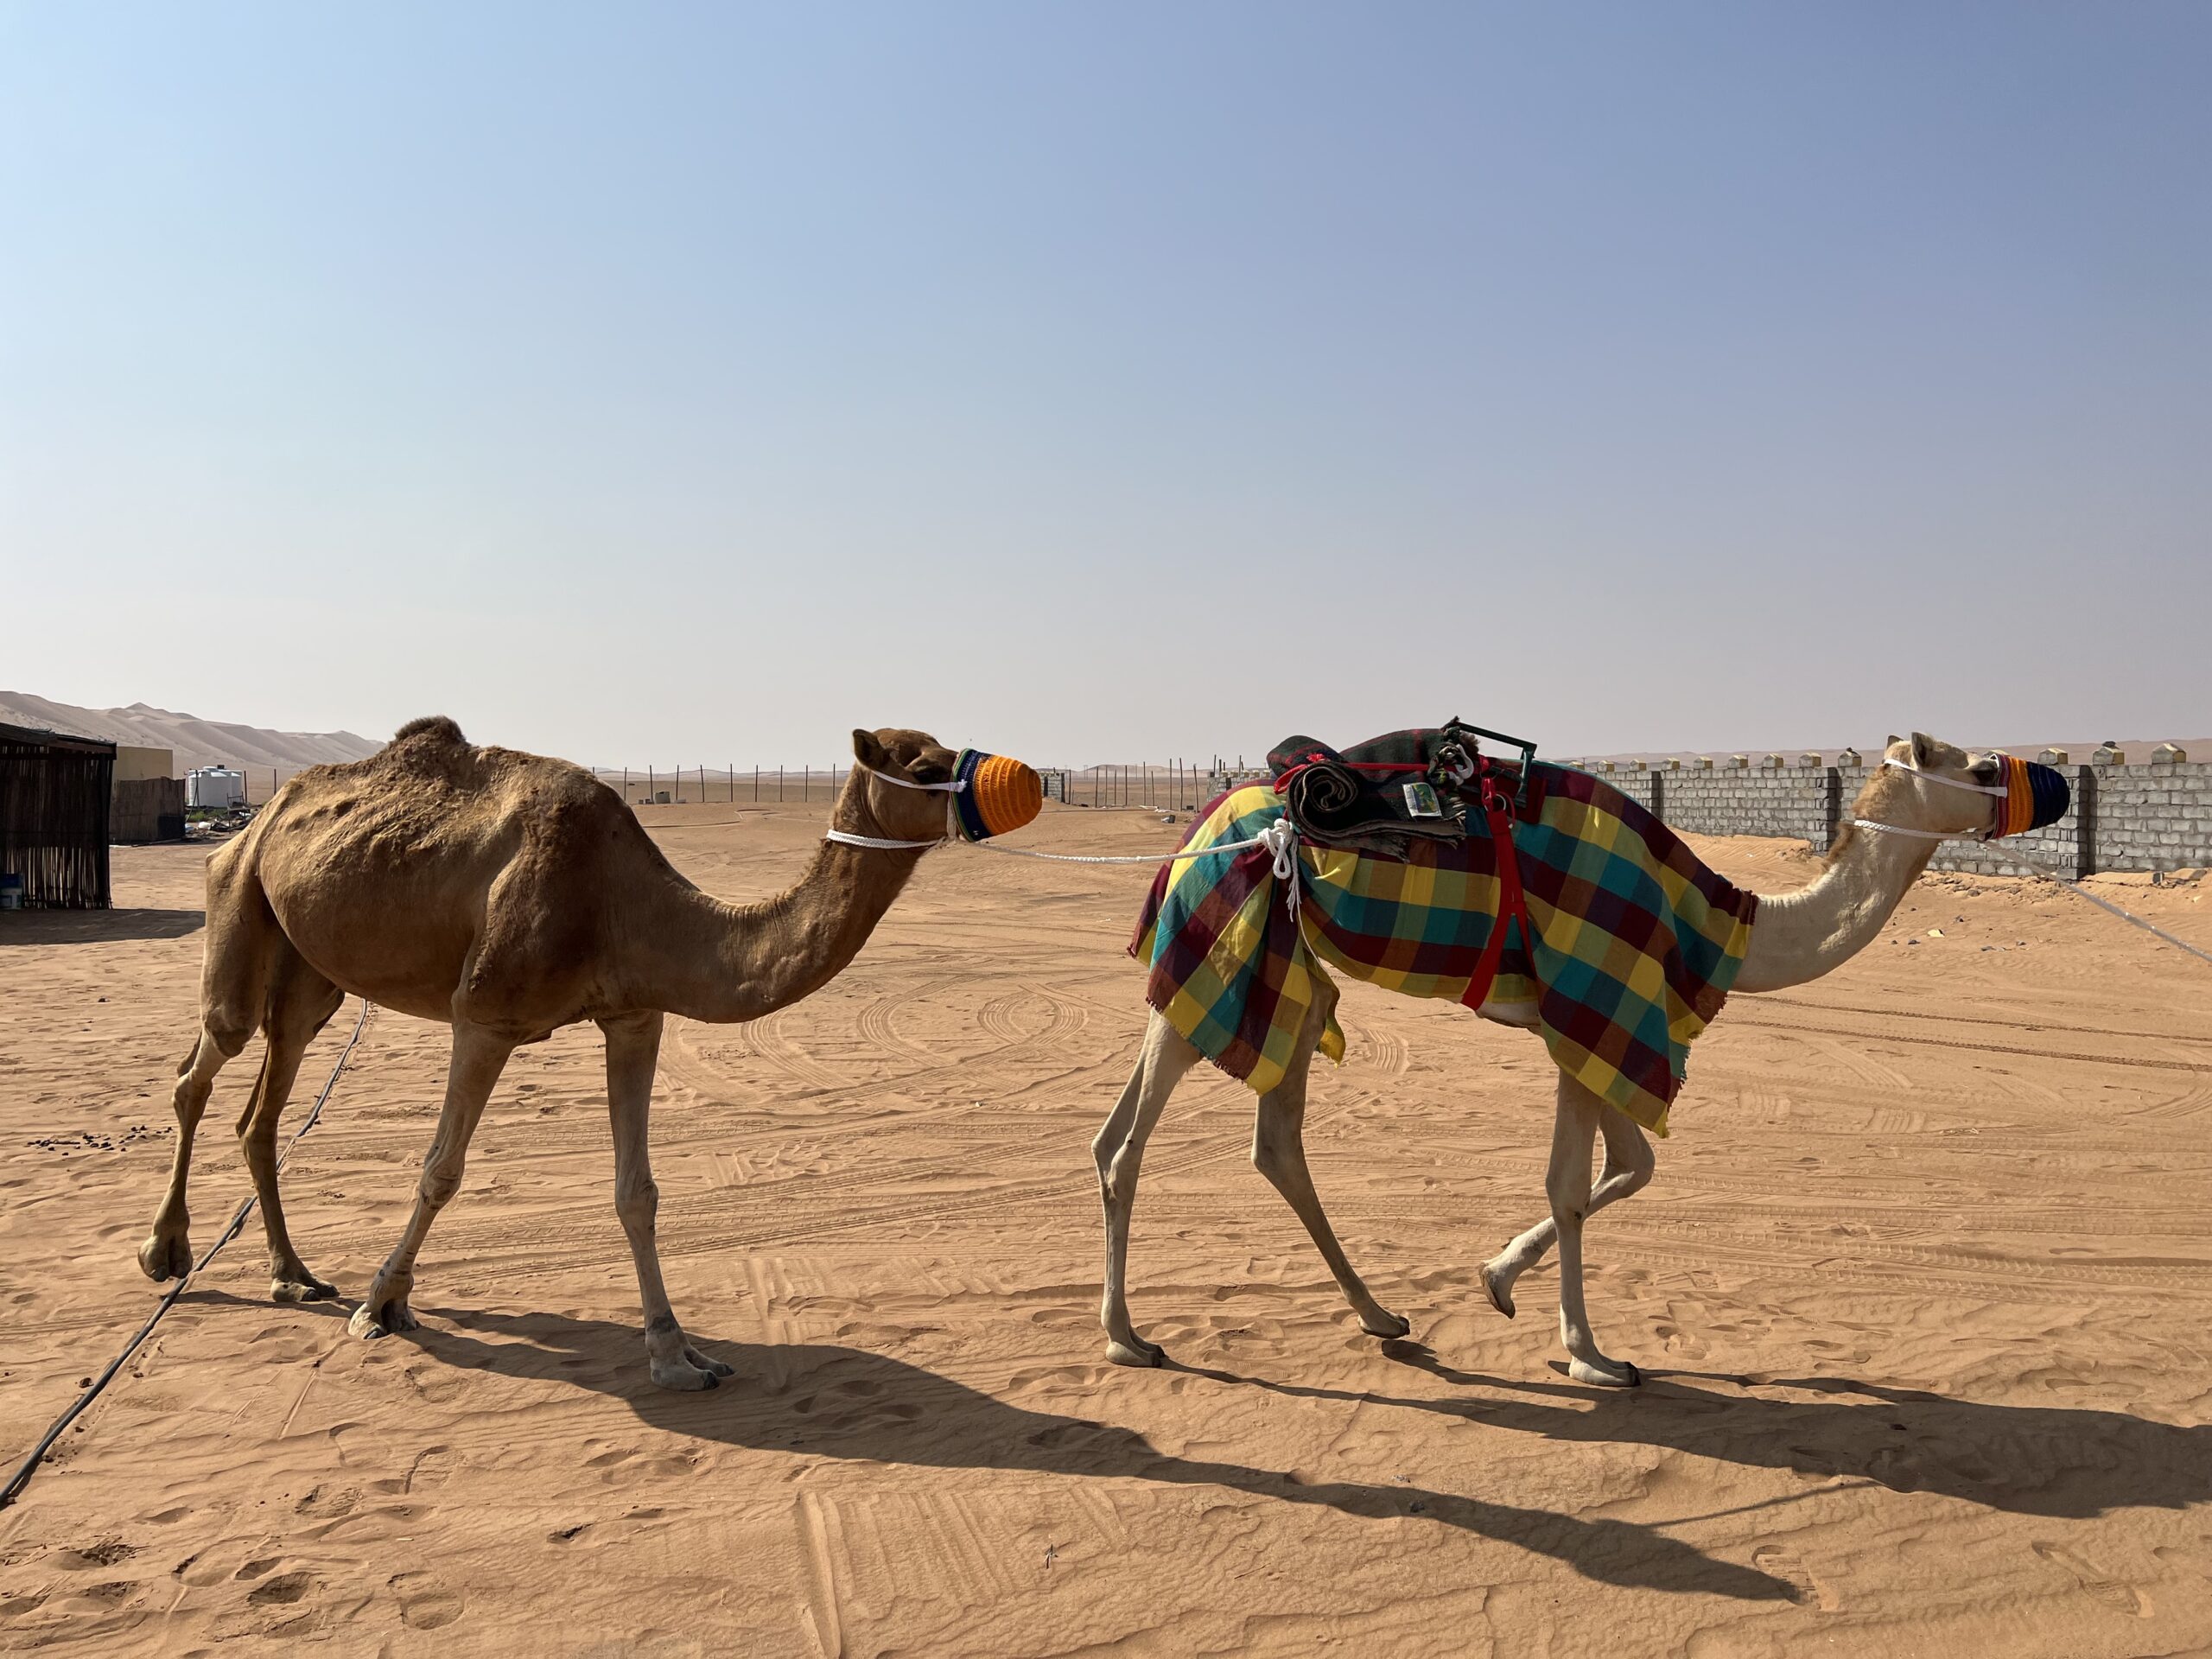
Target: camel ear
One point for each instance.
(869, 752)
(1923, 750)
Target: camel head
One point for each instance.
(902, 814)
(1904, 791)
(1932, 788)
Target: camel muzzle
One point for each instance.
(995, 793)
(2035, 795)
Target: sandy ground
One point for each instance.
(1924, 1286)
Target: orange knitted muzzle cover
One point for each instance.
(1001, 794)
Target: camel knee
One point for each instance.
(638, 1204)
(228, 1037)
(1117, 1181)
(438, 1185)
(1272, 1159)
(1569, 1199)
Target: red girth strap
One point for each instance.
(1497, 807)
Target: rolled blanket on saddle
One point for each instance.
(1630, 945)
(1381, 796)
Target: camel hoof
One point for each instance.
(307, 1289)
(683, 1377)
(370, 1323)
(711, 1366)
(1140, 1353)
(1501, 1296)
(1383, 1323)
(166, 1256)
(1614, 1374)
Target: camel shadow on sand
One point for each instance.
(2072, 1462)
(97, 926)
(833, 1402)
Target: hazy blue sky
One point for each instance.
(665, 383)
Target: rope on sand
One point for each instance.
(22, 1477)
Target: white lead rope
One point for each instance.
(1279, 838)
(2038, 867)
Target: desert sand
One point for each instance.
(1922, 1286)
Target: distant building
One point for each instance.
(148, 802)
(214, 789)
(54, 798)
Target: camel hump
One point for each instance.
(437, 727)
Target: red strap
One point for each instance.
(1497, 807)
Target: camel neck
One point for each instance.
(1801, 936)
(723, 963)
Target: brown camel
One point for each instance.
(507, 894)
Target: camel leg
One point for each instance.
(1567, 1184)
(242, 936)
(633, 1053)
(301, 1003)
(1119, 1151)
(478, 1058)
(1279, 1154)
(1629, 1164)
(167, 1253)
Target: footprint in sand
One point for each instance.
(1788, 1566)
(282, 1591)
(105, 1554)
(2120, 1598)
(425, 1604)
(2198, 1560)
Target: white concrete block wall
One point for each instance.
(2141, 817)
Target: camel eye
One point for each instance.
(1985, 770)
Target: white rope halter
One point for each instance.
(1932, 834)
(882, 843)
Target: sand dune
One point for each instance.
(197, 742)
(1922, 1285)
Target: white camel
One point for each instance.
(1926, 792)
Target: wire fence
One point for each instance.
(1174, 785)
(1166, 785)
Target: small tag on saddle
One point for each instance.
(1422, 802)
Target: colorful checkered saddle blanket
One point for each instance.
(1630, 946)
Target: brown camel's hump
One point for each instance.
(436, 728)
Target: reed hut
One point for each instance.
(55, 792)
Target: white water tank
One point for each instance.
(214, 788)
